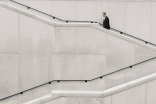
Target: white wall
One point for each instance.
(33, 53)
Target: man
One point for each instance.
(106, 21)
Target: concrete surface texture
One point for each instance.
(135, 17)
(136, 95)
(137, 87)
(33, 52)
(142, 94)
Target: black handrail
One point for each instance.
(80, 80)
(146, 42)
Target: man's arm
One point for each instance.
(106, 22)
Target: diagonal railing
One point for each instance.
(100, 77)
(67, 21)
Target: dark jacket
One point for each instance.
(106, 23)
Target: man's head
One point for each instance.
(104, 14)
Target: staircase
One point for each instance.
(81, 56)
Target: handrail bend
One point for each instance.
(100, 77)
(67, 21)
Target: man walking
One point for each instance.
(106, 21)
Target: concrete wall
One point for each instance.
(136, 95)
(33, 53)
(135, 17)
(141, 94)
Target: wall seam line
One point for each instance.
(18, 62)
(146, 95)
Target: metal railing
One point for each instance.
(67, 21)
(100, 77)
